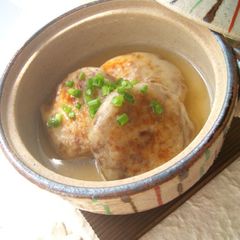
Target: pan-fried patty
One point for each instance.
(141, 134)
(67, 116)
(147, 67)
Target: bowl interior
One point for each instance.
(88, 37)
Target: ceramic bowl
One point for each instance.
(79, 38)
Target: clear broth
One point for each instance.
(197, 104)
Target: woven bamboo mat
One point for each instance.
(131, 227)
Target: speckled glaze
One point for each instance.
(67, 43)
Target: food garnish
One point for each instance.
(55, 121)
(82, 76)
(156, 107)
(78, 105)
(93, 106)
(144, 89)
(118, 101)
(96, 87)
(74, 92)
(122, 119)
(69, 84)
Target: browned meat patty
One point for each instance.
(141, 134)
(70, 113)
(147, 67)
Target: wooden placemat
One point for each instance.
(131, 227)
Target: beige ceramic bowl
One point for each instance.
(106, 29)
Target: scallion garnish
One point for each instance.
(94, 103)
(93, 106)
(105, 90)
(90, 83)
(128, 97)
(74, 92)
(118, 101)
(78, 105)
(108, 87)
(72, 115)
(134, 82)
(123, 86)
(119, 81)
(144, 89)
(156, 107)
(69, 83)
(112, 85)
(121, 90)
(54, 121)
(126, 84)
(86, 97)
(82, 76)
(67, 109)
(92, 112)
(122, 119)
(98, 80)
(89, 92)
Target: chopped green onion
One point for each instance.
(128, 97)
(94, 103)
(55, 121)
(93, 106)
(156, 107)
(92, 112)
(66, 108)
(69, 83)
(105, 90)
(78, 105)
(108, 87)
(72, 115)
(90, 83)
(134, 82)
(119, 81)
(126, 84)
(74, 92)
(118, 101)
(112, 85)
(86, 97)
(121, 90)
(89, 92)
(98, 80)
(122, 119)
(82, 76)
(144, 89)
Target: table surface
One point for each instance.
(27, 212)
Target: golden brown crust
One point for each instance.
(147, 140)
(70, 140)
(147, 67)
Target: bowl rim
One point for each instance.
(138, 185)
